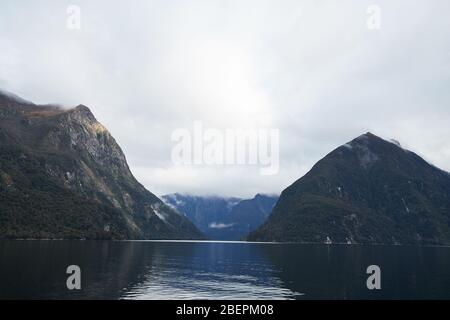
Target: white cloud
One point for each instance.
(220, 225)
(313, 69)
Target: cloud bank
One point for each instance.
(311, 69)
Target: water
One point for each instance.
(214, 270)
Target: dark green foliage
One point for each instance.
(368, 191)
(62, 175)
(33, 205)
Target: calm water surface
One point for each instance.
(215, 270)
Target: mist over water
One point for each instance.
(220, 270)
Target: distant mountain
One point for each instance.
(249, 214)
(366, 191)
(62, 175)
(223, 218)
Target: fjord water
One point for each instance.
(217, 270)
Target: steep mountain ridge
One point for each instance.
(367, 191)
(46, 145)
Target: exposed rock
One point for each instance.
(68, 153)
(366, 191)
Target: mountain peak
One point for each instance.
(368, 148)
(82, 107)
(85, 185)
(82, 112)
(361, 141)
(366, 136)
(367, 139)
(370, 190)
(265, 196)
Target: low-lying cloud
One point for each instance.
(219, 225)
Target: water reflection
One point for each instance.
(211, 271)
(193, 270)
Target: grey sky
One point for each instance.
(310, 68)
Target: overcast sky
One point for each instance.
(312, 69)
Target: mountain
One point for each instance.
(62, 175)
(223, 218)
(206, 212)
(366, 191)
(249, 214)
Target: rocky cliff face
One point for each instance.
(221, 218)
(366, 191)
(48, 151)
